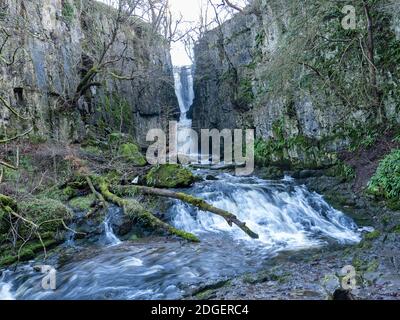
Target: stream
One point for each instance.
(286, 216)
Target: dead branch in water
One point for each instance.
(199, 203)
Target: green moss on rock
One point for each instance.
(372, 235)
(169, 176)
(396, 229)
(82, 203)
(271, 173)
(130, 152)
(42, 210)
(28, 252)
(341, 170)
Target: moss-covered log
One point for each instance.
(136, 211)
(199, 203)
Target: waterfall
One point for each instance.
(5, 287)
(183, 78)
(110, 237)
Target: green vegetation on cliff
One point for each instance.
(386, 181)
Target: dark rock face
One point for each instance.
(341, 294)
(122, 224)
(236, 66)
(57, 45)
(215, 104)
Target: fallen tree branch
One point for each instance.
(97, 194)
(136, 210)
(233, 6)
(12, 212)
(199, 203)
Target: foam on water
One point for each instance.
(285, 215)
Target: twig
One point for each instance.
(16, 137)
(12, 110)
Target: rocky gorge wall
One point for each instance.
(289, 70)
(48, 46)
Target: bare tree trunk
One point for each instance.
(376, 103)
(233, 6)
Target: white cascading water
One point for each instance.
(111, 238)
(5, 289)
(183, 77)
(285, 215)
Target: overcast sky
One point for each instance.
(190, 10)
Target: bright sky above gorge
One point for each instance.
(191, 11)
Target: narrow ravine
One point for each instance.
(287, 217)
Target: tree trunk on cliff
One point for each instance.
(233, 6)
(370, 55)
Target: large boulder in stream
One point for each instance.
(169, 176)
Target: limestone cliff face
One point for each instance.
(259, 70)
(48, 48)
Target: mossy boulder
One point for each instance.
(169, 176)
(82, 203)
(28, 251)
(130, 152)
(372, 235)
(47, 213)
